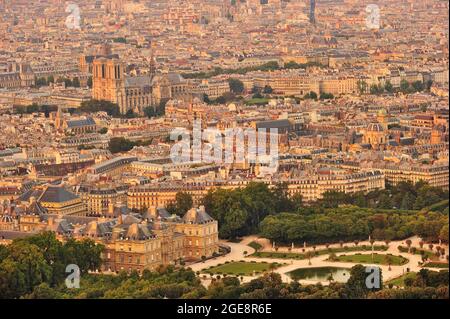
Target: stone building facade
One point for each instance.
(134, 93)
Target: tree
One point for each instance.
(282, 201)
(418, 86)
(120, 40)
(297, 201)
(206, 99)
(236, 86)
(256, 90)
(333, 257)
(253, 203)
(68, 82)
(38, 82)
(408, 243)
(420, 203)
(443, 234)
(356, 286)
(43, 291)
(268, 89)
(31, 263)
(326, 96)
(86, 254)
(388, 260)
(311, 95)
(103, 130)
(389, 87)
(404, 86)
(12, 280)
(92, 106)
(151, 111)
(384, 201)
(53, 251)
(76, 82)
(407, 201)
(309, 255)
(234, 223)
(362, 86)
(376, 89)
(120, 144)
(183, 203)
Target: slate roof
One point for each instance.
(55, 194)
(75, 220)
(91, 58)
(273, 124)
(138, 81)
(62, 226)
(95, 229)
(80, 123)
(130, 219)
(197, 216)
(171, 77)
(36, 209)
(163, 213)
(138, 232)
(25, 197)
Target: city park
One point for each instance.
(311, 264)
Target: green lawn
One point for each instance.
(400, 281)
(241, 268)
(299, 256)
(417, 251)
(255, 245)
(277, 255)
(436, 265)
(377, 259)
(257, 101)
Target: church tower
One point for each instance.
(108, 82)
(152, 66)
(436, 136)
(59, 120)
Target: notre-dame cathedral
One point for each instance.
(110, 82)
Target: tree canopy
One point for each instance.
(41, 260)
(183, 203)
(93, 106)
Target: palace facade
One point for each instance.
(133, 242)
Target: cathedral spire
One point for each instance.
(58, 119)
(152, 61)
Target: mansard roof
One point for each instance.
(89, 121)
(197, 216)
(56, 194)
